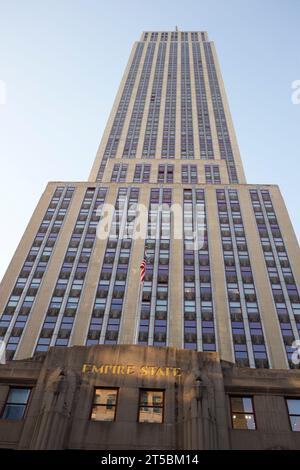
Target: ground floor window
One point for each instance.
(104, 404)
(16, 403)
(242, 412)
(151, 406)
(293, 405)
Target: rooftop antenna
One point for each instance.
(176, 29)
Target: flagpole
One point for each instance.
(139, 304)
(139, 307)
(143, 269)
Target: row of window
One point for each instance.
(108, 306)
(151, 114)
(282, 282)
(169, 119)
(165, 173)
(204, 128)
(187, 134)
(150, 408)
(243, 412)
(20, 303)
(174, 36)
(61, 313)
(219, 113)
(153, 324)
(150, 139)
(247, 329)
(117, 127)
(135, 123)
(168, 141)
(199, 330)
(199, 325)
(104, 406)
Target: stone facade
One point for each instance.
(75, 316)
(196, 405)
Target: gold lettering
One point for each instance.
(130, 370)
(97, 370)
(121, 370)
(160, 371)
(106, 368)
(144, 370)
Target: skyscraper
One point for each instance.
(226, 283)
(169, 139)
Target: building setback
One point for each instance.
(199, 354)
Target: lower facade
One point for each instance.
(143, 397)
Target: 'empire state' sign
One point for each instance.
(118, 369)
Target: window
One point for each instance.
(139, 104)
(104, 404)
(142, 173)
(151, 406)
(212, 174)
(293, 405)
(16, 403)
(116, 130)
(242, 413)
(119, 172)
(189, 174)
(165, 173)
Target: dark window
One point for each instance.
(16, 403)
(104, 404)
(293, 405)
(151, 406)
(242, 413)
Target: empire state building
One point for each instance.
(228, 305)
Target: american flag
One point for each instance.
(143, 266)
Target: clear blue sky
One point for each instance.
(62, 61)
